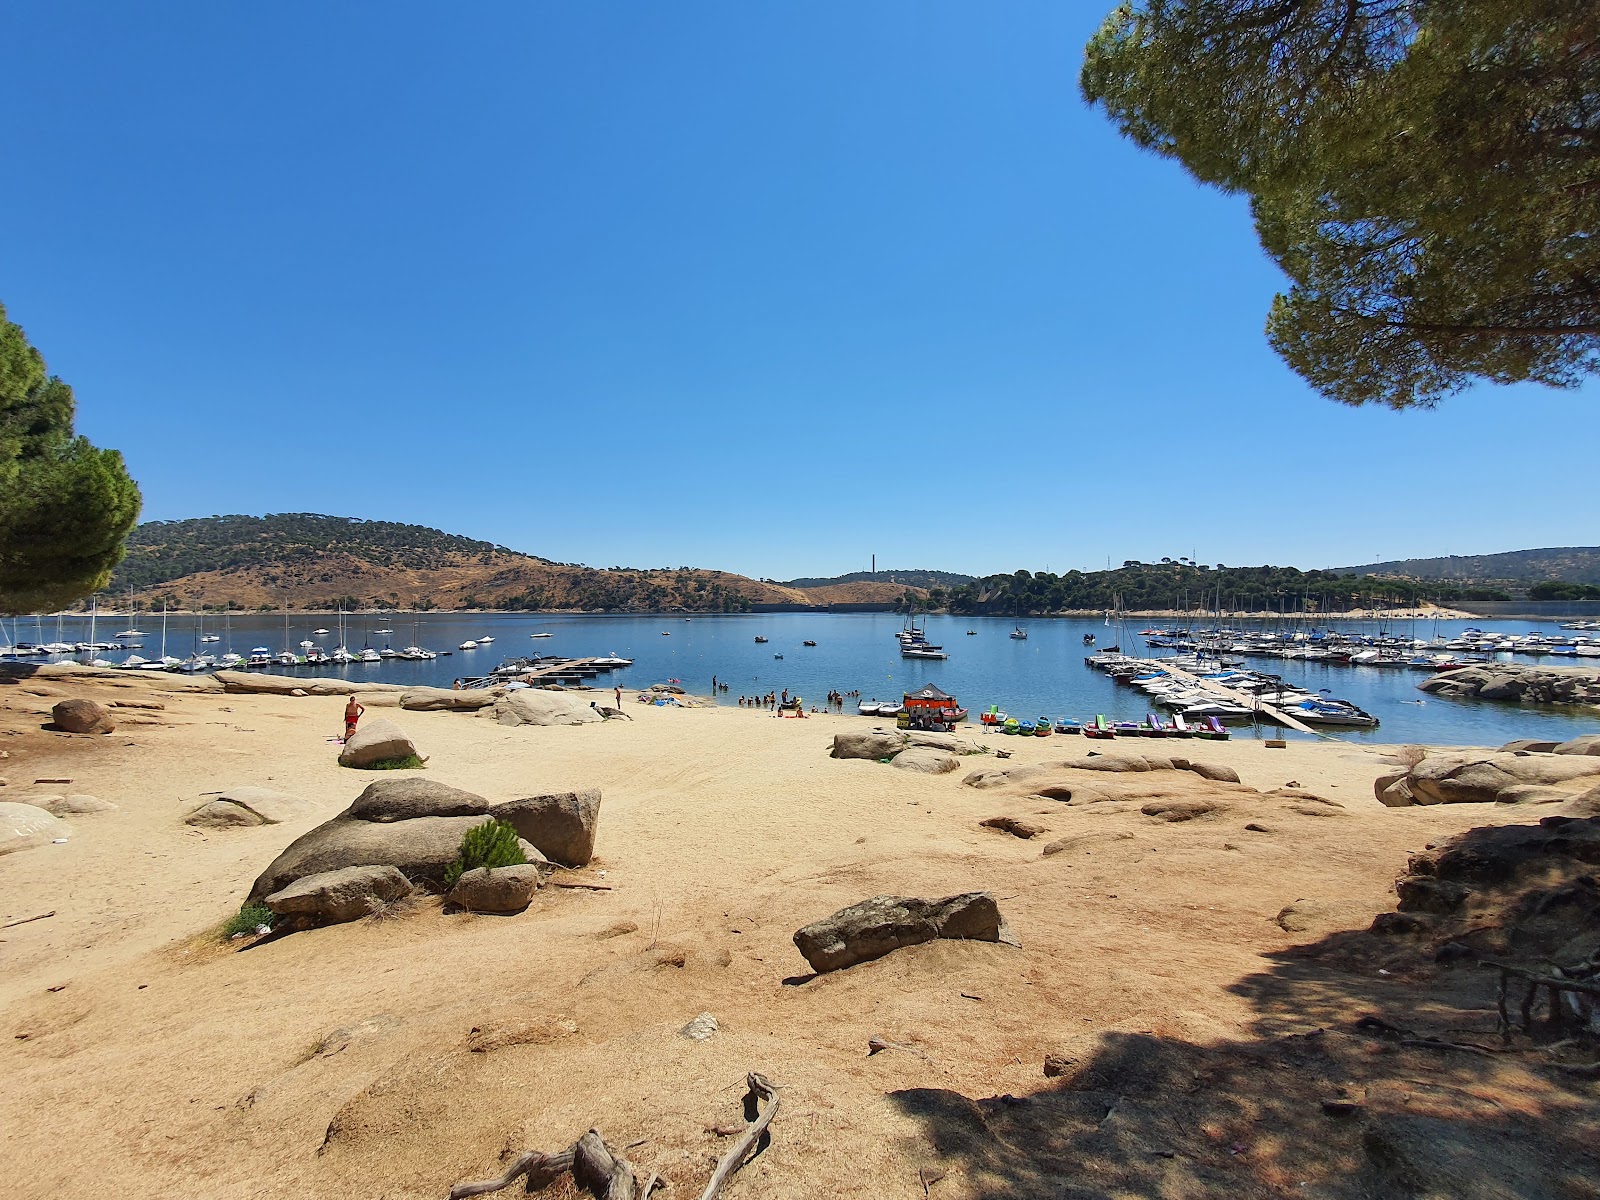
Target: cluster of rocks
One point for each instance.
(910, 750)
(1523, 772)
(884, 924)
(408, 831)
(1525, 685)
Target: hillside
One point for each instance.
(915, 578)
(311, 561)
(1566, 564)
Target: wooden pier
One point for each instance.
(560, 670)
(1253, 703)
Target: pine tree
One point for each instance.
(65, 506)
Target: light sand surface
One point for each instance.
(339, 1062)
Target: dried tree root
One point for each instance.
(760, 1089)
(610, 1176)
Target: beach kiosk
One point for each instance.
(930, 708)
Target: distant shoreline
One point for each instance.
(1143, 614)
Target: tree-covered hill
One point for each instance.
(162, 551)
(1169, 584)
(1564, 564)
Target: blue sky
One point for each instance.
(766, 287)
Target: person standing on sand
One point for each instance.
(619, 695)
(352, 714)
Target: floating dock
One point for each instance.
(549, 670)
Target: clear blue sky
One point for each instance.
(767, 287)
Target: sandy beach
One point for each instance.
(145, 1055)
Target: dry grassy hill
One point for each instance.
(312, 561)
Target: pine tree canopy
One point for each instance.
(65, 507)
(1425, 172)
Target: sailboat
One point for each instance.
(415, 652)
(286, 657)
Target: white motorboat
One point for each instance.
(286, 658)
(128, 633)
(485, 640)
(388, 652)
(210, 637)
(303, 645)
(260, 656)
(467, 646)
(230, 660)
(319, 632)
(613, 661)
(922, 652)
(541, 635)
(340, 655)
(368, 655)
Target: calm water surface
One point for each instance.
(1043, 676)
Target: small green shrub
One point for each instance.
(409, 762)
(248, 919)
(492, 844)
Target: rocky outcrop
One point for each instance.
(403, 799)
(1489, 777)
(333, 897)
(535, 706)
(562, 824)
(244, 806)
(420, 848)
(431, 699)
(1174, 811)
(497, 890)
(251, 682)
(926, 761)
(1589, 743)
(1110, 764)
(82, 716)
(884, 924)
(873, 744)
(23, 826)
(374, 742)
(1524, 685)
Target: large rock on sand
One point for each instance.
(376, 741)
(243, 806)
(535, 706)
(501, 890)
(884, 924)
(409, 797)
(420, 848)
(1589, 743)
(431, 699)
(332, 897)
(23, 826)
(1479, 778)
(562, 825)
(82, 716)
(926, 761)
(872, 744)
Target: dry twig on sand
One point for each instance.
(25, 920)
(760, 1089)
(607, 1174)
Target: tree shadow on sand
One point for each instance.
(1374, 1068)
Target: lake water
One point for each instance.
(1044, 675)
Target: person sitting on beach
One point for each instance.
(352, 715)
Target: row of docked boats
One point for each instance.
(1333, 646)
(1202, 691)
(914, 642)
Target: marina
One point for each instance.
(863, 656)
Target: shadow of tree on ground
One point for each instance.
(1372, 1072)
